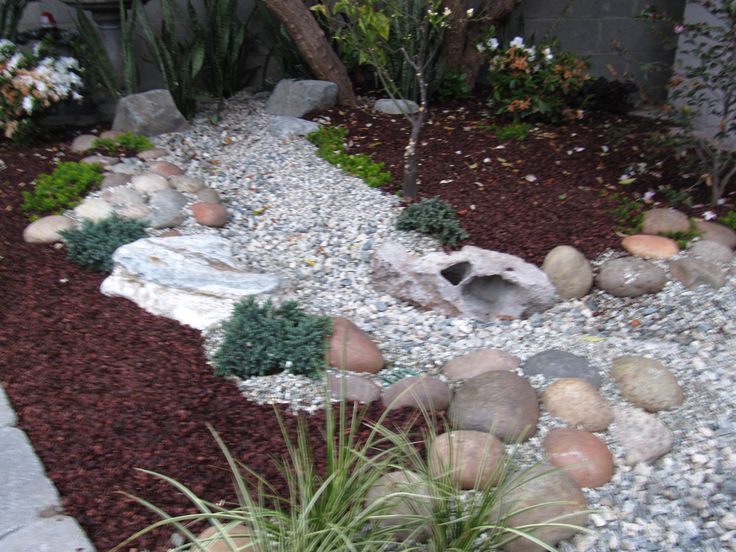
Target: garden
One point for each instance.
(619, 433)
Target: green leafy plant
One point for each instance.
(128, 141)
(729, 219)
(434, 217)
(62, 189)
(453, 85)
(684, 238)
(628, 213)
(10, 14)
(330, 142)
(93, 244)
(676, 197)
(513, 131)
(265, 340)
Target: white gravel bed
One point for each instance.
(298, 216)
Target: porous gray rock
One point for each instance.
(46, 229)
(711, 251)
(471, 459)
(193, 279)
(148, 113)
(712, 231)
(498, 402)
(569, 271)
(643, 436)
(479, 362)
(395, 107)
(630, 277)
(646, 383)
(353, 388)
(430, 394)
(473, 282)
(554, 364)
(695, 272)
(294, 98)
(286, 127)
(656, 221)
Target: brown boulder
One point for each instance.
(472, 459)
(423, 392)
(583, 456)
(479, 362)
(712, 231)
(351, 349)
(578, 403)
(213, 542)
(354, 388)
(650, 247)
(210, 214)
(164, 168)
(664, 221)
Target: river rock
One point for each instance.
(663, 221)
(395, 107)
(166, 215)
(403, 509)
(569, 271)
(193, 279)
(168, 199)
(630, 277)
(122, 196)
(82, 143)
(166, 169)
(479, 362)
(554, 364)
(188, 184)
(712, 231)
(497, 402)
(212, 540)
(650, 247)
(543, 485)
(577, 403)
(210, 214)
(711, 251)
(354, 388)
(208, 195)
(113, 180)
(583, 456)
(472, 282)
(647, 383)
(149, 183)
(142, 213)
(425, 392)
(93, 209)
(351, 349)
(151, 154)
(472, 459)
(286, 127)
(46, 229)
(148, 113)
(110, 134)
(643, 437)
(104, 160)
(294, 98)
(695, 272)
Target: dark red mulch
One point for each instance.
(102, 387)
(569, 201)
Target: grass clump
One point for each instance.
(128, 141)
(518, 131)
(330, 142)
(265, 340)
(433, 217)
(62, 189)
(93, 244)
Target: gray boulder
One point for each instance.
(425, 392)
(166, 208)
(643, 436)
(353, 388)
(46, 229)
(695, 272)
(555, 364)
(294, 98)
(711, 251)
(395, 107)
(286, 127)
(569, 271)
(192, 279)
(630, 276)
(657, 221)
(473, 282)
(148, 113)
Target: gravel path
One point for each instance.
(296, 215)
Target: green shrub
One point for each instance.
(453, 85)
(62, 189)
(330, 142)
(264, 340)
(127, 141)
(729, 219)
(513, 131)
(434, 217)
(93, 244)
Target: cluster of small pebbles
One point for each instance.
(636, 392)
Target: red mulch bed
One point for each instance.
(102, 387)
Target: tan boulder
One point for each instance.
(46, 229)
(110, 134)
(712, 231)
(403, 509)
(82, 143)
(583, 456)
(569, 271)
(577, 403)
(479, 362)
(212, 541)
(351, 349)
(164, 168)
(353, 388)
(650, 247)
(658, 221)
(151, 154)
(472, 459)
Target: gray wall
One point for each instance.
(604, 30)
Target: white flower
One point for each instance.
(648, 195)
(446, 12)
(480, 47)
(470, 12)
(27, 104)
(517, 42)
(531, 52)
(709, 215)
(493, 43)
(547, 54)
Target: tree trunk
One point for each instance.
(463, 34)
(313, 46)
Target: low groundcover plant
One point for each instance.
(433, 217)
(62, 189)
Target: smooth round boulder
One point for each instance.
(164, 168)
(656, 221)
(479, 362)
(113, 180)
(403, 509)
(630, 277)
(110, 134)
(184, 183)
(471, 459)
(647, 383)
(643, 436)
(122, 196)
(555, 363)
(82, 143)
(712, 231)
(104, 160)
(149, 183)
(46, 229)
(569, 271)
(93, 209)
(425, 392)
(351, 349)
(397, 106)
(151, 154)
(353, 388)
(583, 456)
(142, 213)
(210, 214)
(208, 195)
(168, 199)
(212, 541)
(560, 495)
(650, 247)
(711, 251)
(498, 402)
(696, 272)
(577, 403)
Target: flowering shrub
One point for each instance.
(528, 82)
(30, 83)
